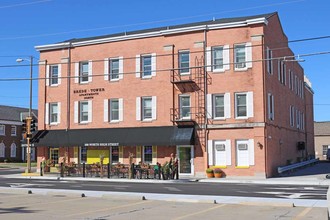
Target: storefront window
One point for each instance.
(147, 154)
(115, 154)
(83, 154)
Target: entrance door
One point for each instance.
(186, 161)
(53, 153)
(242, 153)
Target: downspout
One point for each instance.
(173, 87)
(68, 88)
(206, 133)
(265, 101)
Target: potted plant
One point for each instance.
(209, 173)
(217, 172)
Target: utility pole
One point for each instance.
(28, 148)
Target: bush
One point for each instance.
(217, 170)
(209, 170)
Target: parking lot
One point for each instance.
(15, 204)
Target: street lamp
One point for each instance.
(29, 118)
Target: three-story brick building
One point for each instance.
(226, 92)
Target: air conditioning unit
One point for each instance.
(242, 146)
(240, 65)
(220, 147)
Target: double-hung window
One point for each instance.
(240, 56)
(184, 60)
(114, 69)
(53, 113)
(184, 103)
(269, 61)
(146, 66)
(83, 72)
(241, 105)
(270, 107)
(83, 111)
(217, 58)
(2, 129)
(13, 130)
(147, 154)
(114, 110)
(146, 108)
(218, 106)
(53, 74)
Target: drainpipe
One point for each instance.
(205, 96)
(68, 87)
(264, 103)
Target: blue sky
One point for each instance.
(27, 23)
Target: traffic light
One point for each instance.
(32, 126)
(24, 126)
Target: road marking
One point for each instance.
(173, 189)
(106, 209)
(303, 213)
(23, 185)
(200, 212)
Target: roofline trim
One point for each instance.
(261, 20)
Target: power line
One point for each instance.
(144, 23)
(23, 4)
(287, 58)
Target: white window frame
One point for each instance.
(13, 130)
(214, 49)
(55, 113)
(214, 106)
(51, 75)
(114, 71)
(82, 74)
(144, 108)
(181, 107)
(236, 107)
(13, 150)
(81, 103)
(145, 66)
(2, 150)
(2, 129)
(180, 62)
(111, 110)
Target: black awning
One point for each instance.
(160, 136)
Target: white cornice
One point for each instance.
(5, 122)
(248, 22)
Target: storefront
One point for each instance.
(114, 145)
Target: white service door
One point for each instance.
(220, 153)
(242, 149)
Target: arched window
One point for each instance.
(13, 150)
(2, 150)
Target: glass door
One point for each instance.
(54, 155)
(186, 161)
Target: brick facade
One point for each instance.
(253, 145)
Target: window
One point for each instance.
(83, 73)
(290, 79)
(291, 116)
(13, 150)
(184, 106)
(217, 58)
(2, 150)
(114, 110)
(83, 111)
(54, 155)
(83, 154)
(2, 129)
(13, 130)
(146, 66)
(147, 154)
(325, 150)
(282, 72)
(270, 106)
(240, 56)
(269, 61)
(218, 106)
(114, 69)
(53, 74)
(184, 57)
(115, 154)
(241, 105)
(146, 108)
(53, 112)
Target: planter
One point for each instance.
(209, 175)
(217, 175)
